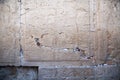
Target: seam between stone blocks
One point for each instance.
(20, 35)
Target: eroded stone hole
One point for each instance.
(18, 73)
(37, 41)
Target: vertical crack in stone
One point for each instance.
(21, 55)
(20, 36)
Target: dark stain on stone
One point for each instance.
(27, 8)
(31, 36)
(37, 41)
(21, 50)
(89, 57)
(38, 44)
(61, 33)
(77, 49)
(115, 5)
(81, 51)
(19, 0)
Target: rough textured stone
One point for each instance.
(108, 72)
(49, 33)
(69, 24)
(107, 39)
(9, 32)
(52, 26)
(18, 73)
(59, 30)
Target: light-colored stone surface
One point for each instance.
(59, 25)
(107, 30)
(9, 31)
(59, 32)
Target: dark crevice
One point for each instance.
(37, 41)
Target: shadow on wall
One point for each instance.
(115, 1)
(4, 1)
(18, 73)
(1, 53)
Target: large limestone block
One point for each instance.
(9, 31)
(58, 26)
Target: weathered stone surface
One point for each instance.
(107, 71)
(9, 32)
(107, 39)
(50, 33)
(69, 24)
(101, 72)
(18, 73)
(58, 26)
(47, 72)
(61, 32)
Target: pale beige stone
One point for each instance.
(60, 27)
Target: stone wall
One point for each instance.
(106, 72)
(72, 31)
(80, 73)
(9, 32)
(50, 33)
